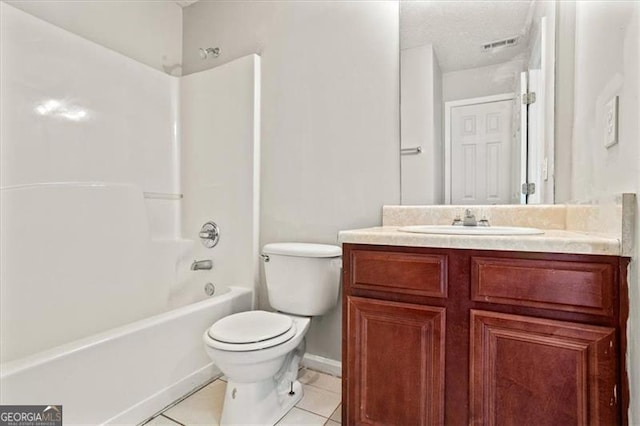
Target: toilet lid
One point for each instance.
(255, 346)
(250, 327)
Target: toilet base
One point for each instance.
(259, 403)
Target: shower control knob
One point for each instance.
(209, 234)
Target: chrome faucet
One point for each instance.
(469, 218)
(202, 265)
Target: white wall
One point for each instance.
(147, 31)
(607, 64)
(421, 126)
(438, 133)
(329, 115)
(220, 121)
(564, 96)
(483, 81)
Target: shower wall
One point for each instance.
(90, 186)
(74, 111)
(147, 31)
(220, 157)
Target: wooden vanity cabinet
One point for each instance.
(457, 337)
(400, 365)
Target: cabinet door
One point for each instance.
(395, 363)
(531, 371)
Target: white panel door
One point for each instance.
(481, 153)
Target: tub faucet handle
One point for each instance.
(209, 234)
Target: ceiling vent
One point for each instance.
(506, 42)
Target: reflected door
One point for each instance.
(481, 153)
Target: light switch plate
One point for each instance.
(611, 122)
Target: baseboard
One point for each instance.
(162, 399)
(322, 364)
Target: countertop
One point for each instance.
(552, 241)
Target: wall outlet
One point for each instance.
(611, 122)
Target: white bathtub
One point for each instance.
(124, 375)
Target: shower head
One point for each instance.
(213, 52)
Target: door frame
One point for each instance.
(524, 135)
(448, 106)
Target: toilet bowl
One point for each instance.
(259, 379)
(260, 351)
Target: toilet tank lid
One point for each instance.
(303, 250)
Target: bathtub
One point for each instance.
(126, 374)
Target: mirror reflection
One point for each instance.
(477, 92)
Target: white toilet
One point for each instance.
(260, 351)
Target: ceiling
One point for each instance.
(457, 29)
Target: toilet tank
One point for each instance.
(302, 279)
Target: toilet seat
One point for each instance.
(250, 331)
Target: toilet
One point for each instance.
(260, 351)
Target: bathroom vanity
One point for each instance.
(435, 332)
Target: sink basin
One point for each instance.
(470, 230)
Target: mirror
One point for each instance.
(477, 93)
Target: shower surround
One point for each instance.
(97, 230)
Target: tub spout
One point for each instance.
(201, 264)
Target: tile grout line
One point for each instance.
(199, 388)
(324, 389)
(173, 404)
(339, 407)
(172, 419)
(309, 411)
(321, 374)
(178, 401)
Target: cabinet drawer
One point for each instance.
(406, 273)
(550, 284)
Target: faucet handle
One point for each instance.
(209, 234)
(456, 221)
(484, 221)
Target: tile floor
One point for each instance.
(320, 405)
